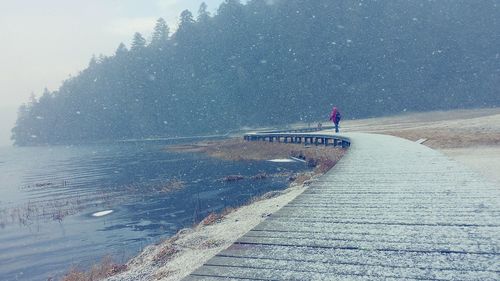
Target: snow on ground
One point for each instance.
(190, 248)
(460, 120)
(484, 160)
(462, 127)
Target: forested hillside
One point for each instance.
(272, 62)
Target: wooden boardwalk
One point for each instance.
(390, 210)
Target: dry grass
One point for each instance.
(166, 253)
(104, 269)
(238, 149)
(443, 129)
(449, 138)
(321, 158)
(211, 219)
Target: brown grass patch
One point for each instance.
(106, 268)
(211, 219)
(238, 149)
(449, 138)
(166, 253)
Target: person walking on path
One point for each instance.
(335, 118)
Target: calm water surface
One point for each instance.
(48, 196)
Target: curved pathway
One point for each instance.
(391, 209)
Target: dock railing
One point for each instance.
(306, 136)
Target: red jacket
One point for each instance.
(335, 115)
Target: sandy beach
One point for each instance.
(471, 137)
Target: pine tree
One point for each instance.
(121, 50)
(270, 62)
(138, 42)
(93, 61)
(185, 32)
(160, 33)
(203, 14)
(186, 19)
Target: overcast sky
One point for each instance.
(45, 41)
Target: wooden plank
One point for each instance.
(470, 215)
(483, 249)
(237, 273)
(390, 208)
(442, 239)
(403, 229)
(401, 220)
(430, 261)
(214, 278)
(429, 231)
(429, 218)
(348, 269)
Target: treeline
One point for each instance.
(272, 62)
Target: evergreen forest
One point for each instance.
(276, 62)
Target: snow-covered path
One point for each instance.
(391, 209)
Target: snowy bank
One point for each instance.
(178, 256)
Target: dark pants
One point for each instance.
(336, 127)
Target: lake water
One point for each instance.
(49, 197)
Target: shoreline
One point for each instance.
(176, 257)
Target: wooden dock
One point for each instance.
(301, 136)
(391, 209)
